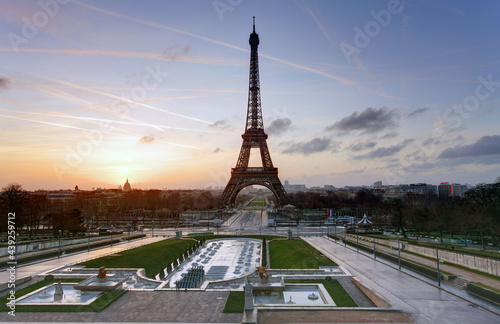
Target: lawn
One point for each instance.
(296, 254)
(152, 257)
(257, 202)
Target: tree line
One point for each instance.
(476, 214)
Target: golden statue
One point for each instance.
(263, 272)
(102, 274)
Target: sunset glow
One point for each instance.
(95, 92)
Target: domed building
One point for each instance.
(126, 186)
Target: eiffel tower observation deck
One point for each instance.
(244, 175)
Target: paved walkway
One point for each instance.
(147, 307)
(468, 275)
(425, 303)
(40, 267)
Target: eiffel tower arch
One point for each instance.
(254, 137)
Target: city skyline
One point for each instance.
(352, 93)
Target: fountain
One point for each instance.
(59, 293)
(101, 283)
(311, 296)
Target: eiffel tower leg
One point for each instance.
(229, 195)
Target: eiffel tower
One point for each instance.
(254, 137)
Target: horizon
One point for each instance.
(352, 93)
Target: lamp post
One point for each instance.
(88, 238)
(399, 254)
(357, 238)
(374, 250)
(437, 262)
(59, 249)
(345, 234)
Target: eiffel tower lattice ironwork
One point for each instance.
(254, 137)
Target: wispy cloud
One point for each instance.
(168, 54)
(214, 41)
(125, 100)
(418, 111)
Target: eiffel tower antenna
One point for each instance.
(254, 137)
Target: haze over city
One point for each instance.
(97, 92)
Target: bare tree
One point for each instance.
(396, 209)
(483, 202)
(35, 206)
(13, 199)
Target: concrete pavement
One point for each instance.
(464, 273)
(425, 303)
(41, 267)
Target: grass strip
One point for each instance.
(296, 254)
(235, 302)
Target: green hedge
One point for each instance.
(485, 293)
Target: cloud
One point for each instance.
(217, 150)
(382, 152)
(175, 52)
(358, 171)
(147, 139)
(279, 126)
(4, 83)
(486, 145)
(417, 112)
(221, 124)
(167, 54)
(361, 146)
(315, 145)
(371, 120)
(390, 135)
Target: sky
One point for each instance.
(95, 92)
